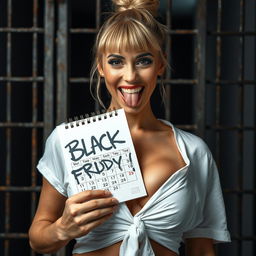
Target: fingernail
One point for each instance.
(114, 200)
(108, 193)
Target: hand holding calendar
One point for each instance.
(99, 154)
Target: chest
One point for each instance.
(159, 158)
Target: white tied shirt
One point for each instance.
(189, 204)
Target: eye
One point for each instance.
(144, 62)
(115, 62)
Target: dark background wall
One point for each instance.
(45, 58)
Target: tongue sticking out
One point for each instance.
(131, 99)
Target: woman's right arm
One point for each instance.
(59, 220)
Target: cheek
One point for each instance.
(111, 77)
(150, 76)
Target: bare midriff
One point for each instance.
(113, 250)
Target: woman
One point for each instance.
(184, 200)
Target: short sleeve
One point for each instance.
(213, 224)
(51, 163)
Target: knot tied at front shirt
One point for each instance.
(137, 230)
(135, 241)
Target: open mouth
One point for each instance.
(131, 95)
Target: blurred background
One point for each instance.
(45, 59)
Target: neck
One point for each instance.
(145, 119)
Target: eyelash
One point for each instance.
(145, 61)
(114, 62)
(140, 62)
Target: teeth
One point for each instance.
(136, 90)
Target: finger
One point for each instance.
(82, 208)
(88, 195)
(97, 204)
(91, 222)
(94, 215)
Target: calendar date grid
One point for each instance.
(118, 170)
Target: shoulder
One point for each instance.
(52, 147)
(190, 142)
(53, 138)
(202, 164)
(196, 153)
(52, 163)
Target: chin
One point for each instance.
(134, 110)
(139, 108)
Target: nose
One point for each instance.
(130, 74)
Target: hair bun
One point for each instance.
(149, 5)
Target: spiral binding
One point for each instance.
(92, 118)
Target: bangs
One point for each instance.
(127, 36)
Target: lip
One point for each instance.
(129, 86)
(132, 89)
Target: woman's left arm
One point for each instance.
(199, 247)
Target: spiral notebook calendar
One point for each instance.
(99, 154)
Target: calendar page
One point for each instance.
(99, 154)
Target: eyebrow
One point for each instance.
(116, 56)
(144, 55)
(139, 56)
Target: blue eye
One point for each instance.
(144, 62)
(115, 62)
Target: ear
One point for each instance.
(162, 66)
(161, 69)
(100, 70)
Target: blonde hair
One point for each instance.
(131, 27)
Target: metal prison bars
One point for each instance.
(52, 90)
(13, 243)
(242, 127)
